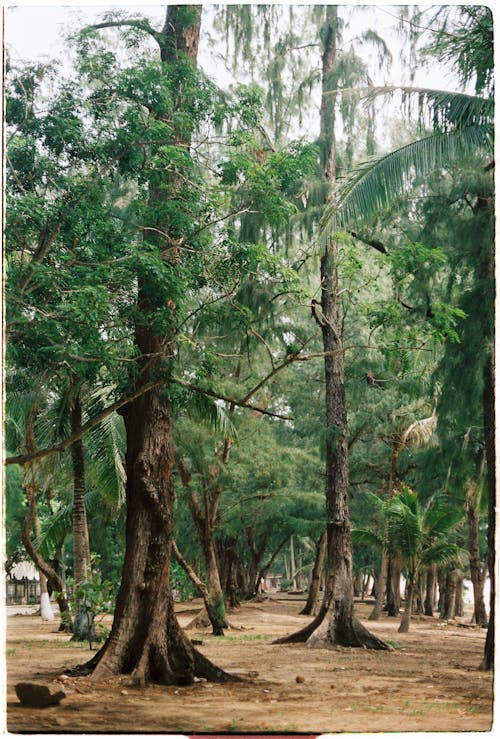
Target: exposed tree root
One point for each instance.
(300, 637)
(326, 632)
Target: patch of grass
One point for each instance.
(394, 644)
(53, 644)
(10, 652)
(233, 726)
(240, 638)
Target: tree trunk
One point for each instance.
(459, 597)
(419, 605)
(449, 595)
(393, 586)
(45, 607)
(404, 626)
(311, 605)
(489, 432)
(83, 628)
(146, 639)
(53, 579)
(231, 582)
(380, 589)
(358, 584)
(293, 566)
(430, 593)
(476, 571)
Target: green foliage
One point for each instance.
(181, 583)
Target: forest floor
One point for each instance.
(430, 682)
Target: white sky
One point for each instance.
(35, 31)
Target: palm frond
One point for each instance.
(367, 538)
(210, 412)
(375, 183)
(444, 552)
(441, 518)
(420, 432)
(405, 531)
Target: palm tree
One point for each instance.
(419, 534)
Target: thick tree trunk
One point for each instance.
(146, 639)
(311, 605)
(83, 628)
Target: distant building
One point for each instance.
(272, 582)
(22, 584)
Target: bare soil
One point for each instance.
(430, 682)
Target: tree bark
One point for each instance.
(477, 574)
(430, 591)
(311, 605)
(380, 589)
(489, 432)
(449, 595)
(83, 628)
(231, 579)
(45, 607)
(404, 626)
(459, 597)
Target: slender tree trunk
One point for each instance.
(337, 625)
(393, 586)
(476, 571)
(449, 595)
(231, 583)
(311, 606)
(380, 590)
(430, 593)
(82, 628)
(459, 597)
(404, 626)
(419, 605)
(53, 578)
(293, 566)
(489, 431)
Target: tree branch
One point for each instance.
(378, 245)
(140, 25)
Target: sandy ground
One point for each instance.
(430, 682)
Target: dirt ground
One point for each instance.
(430, 682)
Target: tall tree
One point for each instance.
(335, 623)
(461, 124)
(146, 639)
